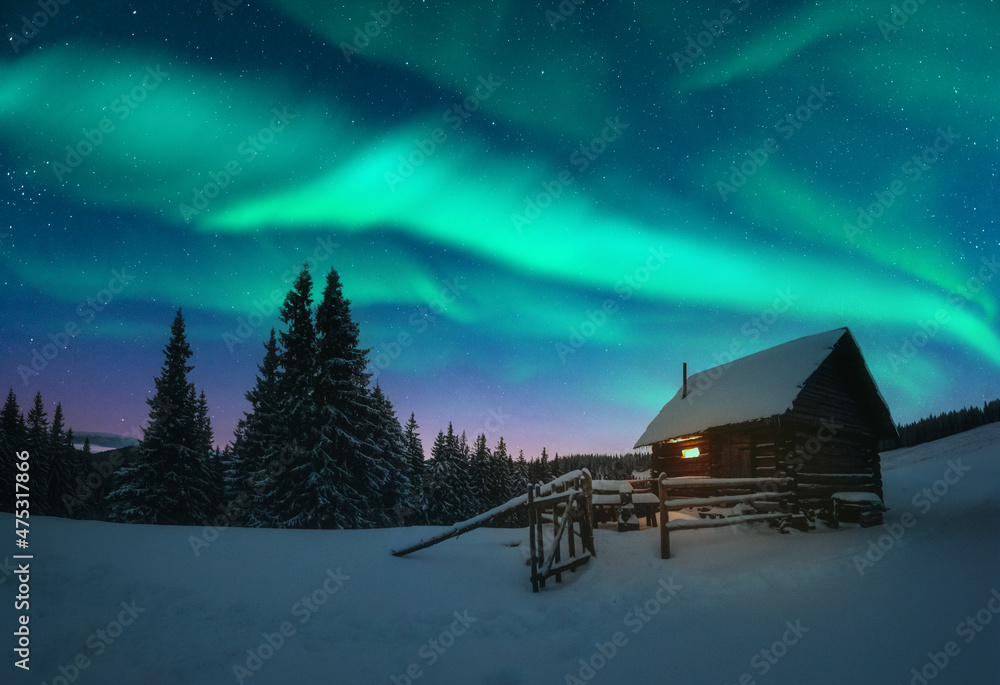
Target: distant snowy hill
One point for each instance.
(109, 441)
(915, 601)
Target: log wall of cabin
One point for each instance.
(830, 436)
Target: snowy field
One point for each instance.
(914, 601)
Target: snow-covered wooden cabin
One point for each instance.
(808, 408)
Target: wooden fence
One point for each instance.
(564, 503)
(785, 500)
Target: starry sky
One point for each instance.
(539, 210)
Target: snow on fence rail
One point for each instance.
(787, 501)
(564, 501)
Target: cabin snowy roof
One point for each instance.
(757, 386)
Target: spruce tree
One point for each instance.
(352, 451)
(523, 470)
(246, 477)
(397, 494)
(63, 466)
(414, 449)
(446, 486)
(39, 446)
(169, 480)
(12, 441)
(482, 477)
(290, 501)
(316, 488)
(543, 469)
(208, 456)
(95, 504)
(502, 484)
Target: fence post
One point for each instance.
(588, 521)
(556, 541)
(540, 525)
(574, 515)
(664, 532)
(531, 537)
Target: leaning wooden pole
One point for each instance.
(484, 518)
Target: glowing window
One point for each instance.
(690, 453)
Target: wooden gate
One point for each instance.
(564, 503)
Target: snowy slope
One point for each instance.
(462, 612)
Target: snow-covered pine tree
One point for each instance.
(446, 481)
(300, 476)
(12, 440)
(501, 481)
(482, 478)
(397, 494)
(208, 456)
(94, 505)
(543, 469)
(350, 421)
(246, 477)
(557, 466)
(414, 450)
(522, 473)
(515, 483)
(167, 482)
(39, 445)
(63, 466)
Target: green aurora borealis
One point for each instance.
(443, 161)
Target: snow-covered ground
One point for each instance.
(117, 604)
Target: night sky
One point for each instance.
(539, 211)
